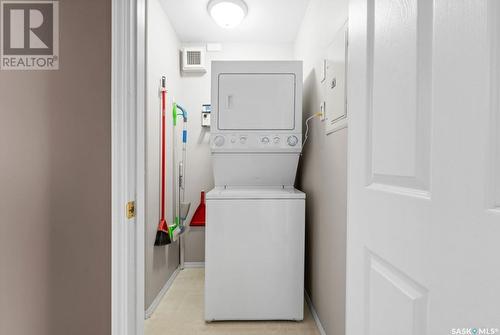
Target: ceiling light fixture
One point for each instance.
(227, 13)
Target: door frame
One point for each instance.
(128, 107)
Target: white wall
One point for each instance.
(323, 173)
(162, 60)
(195, 91)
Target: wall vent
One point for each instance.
(193, 60)
(193, 57)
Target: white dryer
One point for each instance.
(254, 246)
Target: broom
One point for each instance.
(162, 234)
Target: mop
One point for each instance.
(182, 209)
(184, 206)
(163, 234)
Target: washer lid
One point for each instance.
(220, 193)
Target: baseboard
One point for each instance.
(191, 265)
(160, 295)
(314, 314)
(197, 228)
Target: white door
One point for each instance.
(424, 167)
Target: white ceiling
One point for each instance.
(267, 21)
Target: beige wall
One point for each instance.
(162, 60)
(196, 92)
(55, 184)
(323, 174)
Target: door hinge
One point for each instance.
(130, 209)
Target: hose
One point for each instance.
(306, 134)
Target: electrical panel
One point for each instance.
(334, 104)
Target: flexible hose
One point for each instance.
(306, 134)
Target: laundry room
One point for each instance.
(249, 167)
(272, 143)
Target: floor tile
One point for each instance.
(181, 313)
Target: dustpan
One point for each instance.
(198, 219)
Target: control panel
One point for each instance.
(252, 141)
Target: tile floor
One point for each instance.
(181, 313)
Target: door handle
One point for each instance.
(229, 101)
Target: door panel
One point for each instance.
(494, 182)
(423, 143)
(399, 71)
(394, 299)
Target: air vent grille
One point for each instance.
(193, 58)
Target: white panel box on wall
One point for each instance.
(335, 84)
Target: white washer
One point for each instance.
(254, 254)
(254, 258)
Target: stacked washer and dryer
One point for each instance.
(254, 243)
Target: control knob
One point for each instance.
(219, 140)
(292, 140)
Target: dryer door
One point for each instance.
(256, 101)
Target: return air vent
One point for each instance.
(193, 57)
(193, 60)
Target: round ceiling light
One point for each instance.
(227, 13)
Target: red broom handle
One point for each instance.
(163, 98)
